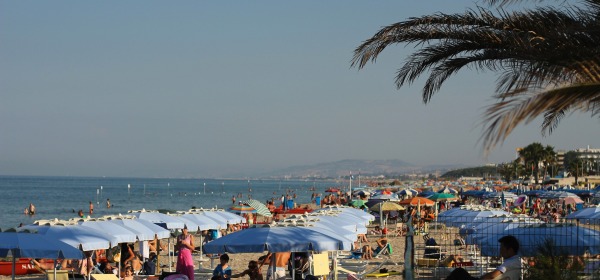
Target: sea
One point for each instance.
(63, 197)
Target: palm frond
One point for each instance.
(503, 117)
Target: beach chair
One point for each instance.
(60, 274)
(107, 276)
(386, 250)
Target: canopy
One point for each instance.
(277, 239)
(584, 213)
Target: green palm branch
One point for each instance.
(547, 59)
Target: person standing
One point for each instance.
(185, 246)
(108, 203)
(91, 208)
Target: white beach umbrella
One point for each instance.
(144, 230)
(82, 237)
(122, 234)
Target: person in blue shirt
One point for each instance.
(223, 270)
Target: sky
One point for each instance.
(209, 88)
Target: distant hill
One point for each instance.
(343, 168)
(480, 171)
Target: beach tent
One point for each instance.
(30, 245)
(348, 210)
(448, 190)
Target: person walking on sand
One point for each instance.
(185, 262)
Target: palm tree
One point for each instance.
(549, 159)
(533, 154)
(547, 58)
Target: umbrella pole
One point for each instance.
(14, 264)
(169, 251)
(55, 265)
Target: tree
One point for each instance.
(574, 165)
(549, 159)
(534, 154)
(510, 170)
(547, 58)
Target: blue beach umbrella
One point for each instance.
(30, 245)
(277, 239)
(566, 238)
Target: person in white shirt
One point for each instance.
(509, 269)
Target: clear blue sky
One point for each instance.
(195, 88)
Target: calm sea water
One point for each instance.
(63, 197)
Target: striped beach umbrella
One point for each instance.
(261, 209)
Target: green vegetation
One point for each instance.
(482, 171)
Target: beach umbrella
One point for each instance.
(409, 192)
(571, 200)
(348, 210)
(386, 206)
(78, 236)
(472, 216)
(30, 245)
(332, 190)
(242, 209)
(320, 226)
(122, 234)
(448, 190)
(277, 239)
(387, 197)
(498, 195)
(164, 220)
(358, 203)
(145, 230)
(566, 238)
(347, 221)
(414, 201)
(443, 197)
(191, 224)
(231, 218)
(261, 209)
(222, 222)
(203, 221)
(585, 213)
